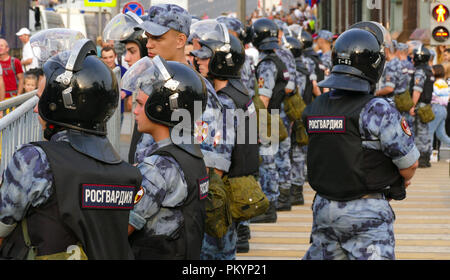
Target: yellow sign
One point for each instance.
(100, 3)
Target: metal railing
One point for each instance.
(19, 126)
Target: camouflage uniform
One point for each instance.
(422, 136)
(248, 75)
(268, 173)
(326, 60)
(282, 158)
(225, 247)
(165, 188)
(27, 181)
(363, 228)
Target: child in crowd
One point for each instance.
(30, 82)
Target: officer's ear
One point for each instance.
(181, 40)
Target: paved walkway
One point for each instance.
(422, 226)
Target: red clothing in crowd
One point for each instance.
(9, 78)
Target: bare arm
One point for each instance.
(2, 89)
(384, 91)
(408, 173)
(20, 85)
(415, 99)
(26, 62)
(265, 100)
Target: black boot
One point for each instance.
(297, 195)
(269, 217)
(427, 159)
(424, 161)
(284, 200)
(243, 235)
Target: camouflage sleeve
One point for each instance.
(289, 60)
(301, 82)
(419, 80)
(27, 181)
(145, 147)
(208, 132)
(266, 73)
(310, 65)
(164, 186)
(326, 60)
(390, 75)
(383, 128)
(248, 76)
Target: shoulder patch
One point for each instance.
(96, 196)
(405, 127)
(200, 131)
(139, 195)
(261, 82)
(326, 124)
(203, 187)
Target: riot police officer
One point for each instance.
(237, 29)
(421, 86)
(354, 163)
(299, 138)
(221, 58)
(168, 222)
(82, 192)
(272, 77)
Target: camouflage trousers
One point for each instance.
(268, 174)
(282, 158)
(220, 248)
(422, 137)
(360, 229)
(298, 162)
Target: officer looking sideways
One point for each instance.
(167, 28)
(40, 192)
(361, 153)
(168, 222)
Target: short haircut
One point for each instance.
(107, 49)
(30, 76)
(439, 71)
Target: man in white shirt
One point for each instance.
(29, 61)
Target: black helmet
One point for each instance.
(123, 28)
(421, 55)
(358, 62)
(81, 92)
(138, 38)
(171, 86)
(294, 45)
(305, 38)
(379, 31)
(265, 34)
(235, 25)
(226, 52)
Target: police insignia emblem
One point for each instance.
(405, 127)
(139, 195)
(201, 131)
(261, 82)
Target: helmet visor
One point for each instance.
(383, 36)
(121, 26)
(209, 30)
(146, 73)
(50, 42)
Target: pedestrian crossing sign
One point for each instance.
(100, 3)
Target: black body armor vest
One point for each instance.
(427, 92)
(90, 205)
(245, 156)
(187, 243)
(339, 168)
(278, 92)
